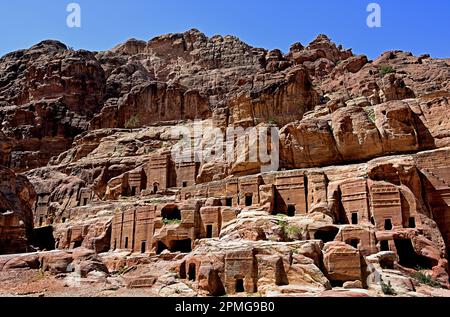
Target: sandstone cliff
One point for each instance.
(17, 198)
(361, 194)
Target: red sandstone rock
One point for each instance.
(357, 138)
(103, 123)
(308, 143)
(17, 198)
(49, 93)
(342, 262)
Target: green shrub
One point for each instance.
(386, 69)
(171, 221)
(387, 289)
(289, 232)
(293, 232)
(272, 120)
(131, 123)
(370, 114)
(426, 279)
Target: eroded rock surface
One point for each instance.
(361, 196)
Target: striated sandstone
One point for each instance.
(362, 191)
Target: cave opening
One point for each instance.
(326, 234)
(160, 247)
(43, 239)
(336, 283)
(387, 264)
(408, 256)
(171, 213)
(353, 242)
(183, 246)
(384, 246)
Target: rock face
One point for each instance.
(361, 192)
(17, 197)
(48, 95)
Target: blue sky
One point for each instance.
(416, 26)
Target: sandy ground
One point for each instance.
(33, 283)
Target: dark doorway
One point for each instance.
(143, 246)
(133, 191)
(126, 243)
(85, 201)
(388, 224)
(155, 188)
(77, 244)
(183, 246)
(192, 272)
(183, 270)
(387, 264)
(409, 258)
(171, 213)
(115, 244)
(43, 239)
(327, 234)
(249, 200)
(412, 222)
(240, 285)
(63, 220)
(229, 202)
(384, 246)
(185, 184)
(291, 211)
(353, 242)
(160, 247)
(336, 283)
(41, 221)
(354, 218)
(209, 231)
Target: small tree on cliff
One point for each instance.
(132, 123)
